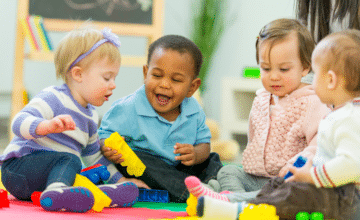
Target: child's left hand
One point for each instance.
(187, 153)
(301, 174)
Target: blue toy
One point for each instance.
(300, 161)
(96, 173)
(153, 195)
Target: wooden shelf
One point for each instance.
(237, 97)
(40, 56)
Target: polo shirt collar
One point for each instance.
(144, 108)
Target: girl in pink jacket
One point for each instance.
(283, 120)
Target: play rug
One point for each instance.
(26, 210)
(141, 210)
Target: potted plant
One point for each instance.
(207, 29)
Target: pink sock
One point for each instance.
(197, 189)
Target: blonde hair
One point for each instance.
(342, 55)
(78, 42)
(279, 29)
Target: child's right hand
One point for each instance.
(58, 124)
(110, 155)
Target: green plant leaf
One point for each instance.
(208, 27)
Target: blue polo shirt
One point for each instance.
(144, 130)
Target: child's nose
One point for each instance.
(112, 85)
(274, 75)
(165, 82)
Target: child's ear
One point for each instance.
(195, 84)
(76, 73)
(332, 80)
(145, 70)
(306, 71)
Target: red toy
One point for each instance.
(4, 201)
(35, 198)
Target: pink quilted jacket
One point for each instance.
(274, 139)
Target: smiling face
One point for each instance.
(280, 65)
(97, 82)
(168, 79)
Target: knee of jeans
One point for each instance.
(230, 170)
(16, 184)
(74, 160)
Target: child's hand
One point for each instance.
(307, 154)
(285, 169)
(58, 124)
(187, 153)
(137, 182)
(110, 155)
(301, 174)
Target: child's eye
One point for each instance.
(265, 69)
(106, 79)
(284, 70)
(177, 80)
(157, 76)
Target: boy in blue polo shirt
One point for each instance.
(162, 123)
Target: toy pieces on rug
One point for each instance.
(153, 195)
(191, 205)
(134, 165)
(96, 173)
(35, 198)
(259, 212)
(4, 201)
(101, 199)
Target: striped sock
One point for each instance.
(197, 189)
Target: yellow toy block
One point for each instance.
(1, 185)
(101, 199)
(191, 205)
(188, 218)
(134, 165)
(258, 212)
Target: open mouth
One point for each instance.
(163, 99)
(107, 97)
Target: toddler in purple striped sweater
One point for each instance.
(57, 131)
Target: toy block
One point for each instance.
(35, 198)
(307, 216)
(134, 165)
(4, 201)
(300, 161)
(153, 195)
(258, 212)
(101, 199)
(191, 205)
(96, 173)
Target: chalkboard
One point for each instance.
(122, 11)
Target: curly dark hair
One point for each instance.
(180, 44)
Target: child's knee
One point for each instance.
(71, 159)
(16, 184)
(231, 170)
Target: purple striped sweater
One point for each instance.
(83, 141)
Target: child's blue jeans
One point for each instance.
(34, 172)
